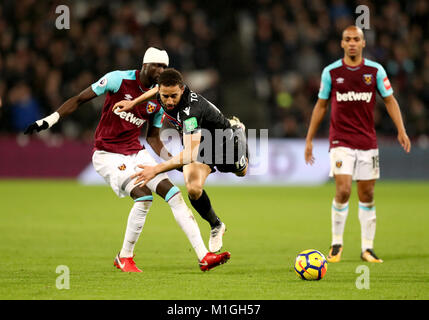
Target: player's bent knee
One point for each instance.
(163, 187)
(194, 190)
(141, 192)
(171, 193)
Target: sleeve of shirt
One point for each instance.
(325, 85)
(109, 82)
(157, 118)
(383, 83)
(191, 122)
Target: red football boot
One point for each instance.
(126, 264)
(212, 260)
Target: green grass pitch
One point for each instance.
(49, 223)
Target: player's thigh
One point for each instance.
(367, 165)
(342, 161)
(195, 174)
(116, 170)
(366, 190)
(144, 158)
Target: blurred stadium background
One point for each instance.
(260, 60)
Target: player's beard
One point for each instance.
(354, 54)
(170, 108)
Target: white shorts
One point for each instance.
(360, 164)
(116, 169)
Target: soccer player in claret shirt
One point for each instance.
(351, 83)
(118, 151)
(199, 121)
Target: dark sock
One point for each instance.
(204, 208)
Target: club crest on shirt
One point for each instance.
(367, 78)
(150, 107)
(122, 167)
(338, 163)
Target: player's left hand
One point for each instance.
(147, 174)
(404, 141)
(123, 105)
(37, 126)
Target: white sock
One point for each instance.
(186, 221)
(136, 220)
(339, 214)
(367, 223)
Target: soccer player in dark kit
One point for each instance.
(118, 151)
(210, 141)
(352, 83)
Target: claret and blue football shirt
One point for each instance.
(352, 91)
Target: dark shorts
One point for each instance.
(232, 155)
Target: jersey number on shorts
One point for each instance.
(375, 162)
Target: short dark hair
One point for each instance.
(170, 77)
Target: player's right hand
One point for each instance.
(123, 105)
(308, 154)
(147, 174)
(38, 126)
(404, 141)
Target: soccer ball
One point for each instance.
(310, 265)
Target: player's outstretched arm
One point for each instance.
(65, 109)
(126, 105)
(191, 143)
(317, 116)
(394, 112)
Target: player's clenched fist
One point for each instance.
(43, 124)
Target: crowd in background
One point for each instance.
(286, 45)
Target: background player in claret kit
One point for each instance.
(351, 84)
(118, 151)
(196, 117)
